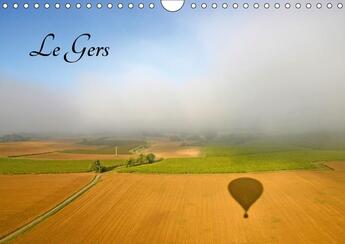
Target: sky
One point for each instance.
(269, 71)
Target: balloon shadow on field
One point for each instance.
(246, 191)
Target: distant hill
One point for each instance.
(13, 138)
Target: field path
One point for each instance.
(296, 207)
(49, 213)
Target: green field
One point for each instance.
(244, 158)
(27, 166)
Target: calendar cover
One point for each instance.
(172, 121)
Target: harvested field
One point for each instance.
(37, 147)
(58, 150)
(296, 207)
(74, 156)
(338, 166)
(23, 197)
(172, 149)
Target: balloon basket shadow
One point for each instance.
(246, 191)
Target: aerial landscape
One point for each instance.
(185, 184)
(204, 125)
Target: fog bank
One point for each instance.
(270, 73)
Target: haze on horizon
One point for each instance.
(270, 73)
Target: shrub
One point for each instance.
(130, 162)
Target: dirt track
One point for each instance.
(23, 197)
(296, 207)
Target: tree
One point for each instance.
(141, 159)
(97, 167)
(150, 158)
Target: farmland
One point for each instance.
(296, 207)
(107, 146)
(164, 148)
(248, 158)
(217, 157)
(23, 197)
(71, 149)
(35, 147)
(179, 199)
(71, 156)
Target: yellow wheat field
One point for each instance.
(296, 207)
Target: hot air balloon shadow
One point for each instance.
(245, 191)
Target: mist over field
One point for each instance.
(271, 73)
